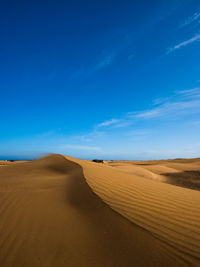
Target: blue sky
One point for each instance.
(100, 79)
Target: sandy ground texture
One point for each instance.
(60, 211)
(169, 212)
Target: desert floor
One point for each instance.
(62, 211)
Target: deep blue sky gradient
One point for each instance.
(66, 67)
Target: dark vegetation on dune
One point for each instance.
(98, 160)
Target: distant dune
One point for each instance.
(181, 172)
(61, 211)
(4, 163)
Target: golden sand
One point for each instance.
(59, 211)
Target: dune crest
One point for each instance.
(170, 213)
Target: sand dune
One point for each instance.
(139, 171)
(181, 172)
(170, 213)
(51, 217)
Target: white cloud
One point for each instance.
(122, 124)
(170, 109)
(191, 19)
(116, 123)
(195, 92)
(182, 44)
(80, 147)
(182, 102)
(109, 122)
(152, 113)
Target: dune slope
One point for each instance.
(49, 216)
(170, 213)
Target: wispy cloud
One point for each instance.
(87, 71)
(115, 123)
(185, 101)
(170, 108)
(185, 43)
(122, 123)
(194, 92)
(109, 122)
(105, 62)
(190, 19)
(181, 103)
(79, 147)
(152, 113)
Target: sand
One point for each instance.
(4, 163)
(170, 213)
(61, 211)
(181, 172)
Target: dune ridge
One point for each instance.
(51, 217)
(169, 212)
